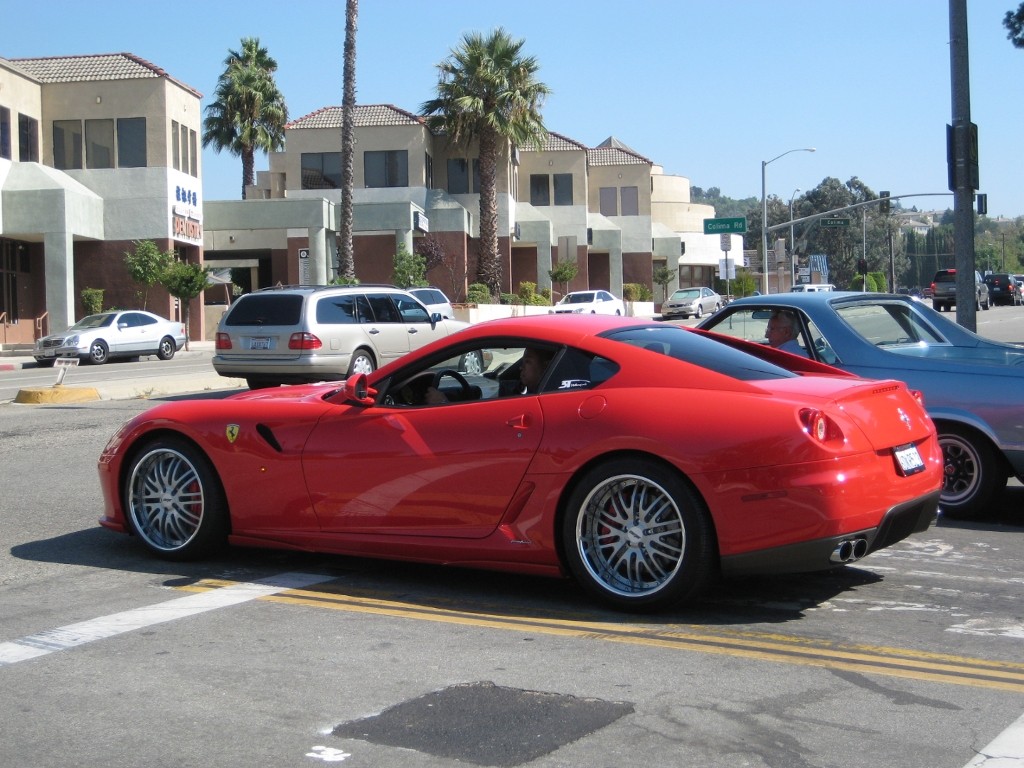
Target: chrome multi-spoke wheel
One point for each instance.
(637, 536)
(173, 500)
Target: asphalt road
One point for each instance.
(912, 658)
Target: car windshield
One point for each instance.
(689, 293)
(700, 350)
(577, 298)
(94, 321)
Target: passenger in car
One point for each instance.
(782, 332)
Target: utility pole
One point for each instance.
(962, 140)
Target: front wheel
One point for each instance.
(637, 537)
(174, 502)
(699, 313)
(99, 353)
(971, 478)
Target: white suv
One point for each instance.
(297, 334)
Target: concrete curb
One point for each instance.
(58, 393)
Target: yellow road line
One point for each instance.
(894, 662)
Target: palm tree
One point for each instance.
(487, 92)
(346, 259)
(248, 112)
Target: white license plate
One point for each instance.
(908, 459)
(259, 342)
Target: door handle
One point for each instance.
(518, 422)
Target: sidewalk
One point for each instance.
(15, 360)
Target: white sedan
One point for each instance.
(589, 303)
(99, 337)
(691, 301)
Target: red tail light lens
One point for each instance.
(819, 426)
(304, 341)
(223, 341)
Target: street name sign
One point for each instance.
(834, 221)
(735, 226)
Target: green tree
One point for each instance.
(563, 272)
(146, 264)
(346, 253)
(184, 281)
(410, 269)
(488, 92)
(248, 113)
(663, 276)
(1014, 22)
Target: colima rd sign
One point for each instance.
(736, 226)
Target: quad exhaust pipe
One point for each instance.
(849, 550)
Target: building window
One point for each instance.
(5, 133)
(99, 143)
(184, 148)
(609, 201)
(131, 142)
(428, 166)
(321, 170)
(388, 168)
(193, 166)
(458, 176)
(630, 201)
(67, 144)
(9, 279)
(28, 139)
(175, 149)
(563, 188)
(540, 192)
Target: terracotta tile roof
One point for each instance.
(92, 68)
(366, 115)
(556, 142)
(615, 156)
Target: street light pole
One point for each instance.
(792, 242)
(764, 212)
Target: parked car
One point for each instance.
(590, 476)
(302, 334)
(589, 302)
(687, 302)
(107, 335)
(811, 287)
(1002, 288)
(434, 300)
(944, 290)
(971, 386)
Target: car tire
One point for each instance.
(699, 313)
(259, 383)
(167, 348)
(173, 500)
(362, 362)
(636, 536)
(972, 472)
(99, 352)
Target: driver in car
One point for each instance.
(532, 366)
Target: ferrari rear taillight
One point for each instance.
(304, 341)
(223, 341)
(819, 426)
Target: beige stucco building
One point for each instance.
(98, 152)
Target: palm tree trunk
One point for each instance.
(489, 265)
(346, 256)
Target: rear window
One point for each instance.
(945, 277)
(700, 350)
(266, 309)
(428, 296)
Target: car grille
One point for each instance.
(53, 342)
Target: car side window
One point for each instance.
(336, 310)
(411, 310)
(131, 319)
(383, 309)
(822, 349)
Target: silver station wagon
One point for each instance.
(302, 334)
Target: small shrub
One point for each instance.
(478, 293)
(92, 300)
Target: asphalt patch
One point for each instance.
(486, 724)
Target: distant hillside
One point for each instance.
(725, 207)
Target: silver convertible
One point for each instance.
(973, 387)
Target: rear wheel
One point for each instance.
(972, 476)
(637, 537)
(173, 500)
(167, 348)
(362, 362)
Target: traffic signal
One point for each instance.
(982, 204)
(883, 203)
(862, 266)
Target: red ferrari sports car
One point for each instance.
(640, 458)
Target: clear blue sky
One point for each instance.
(706, 89)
